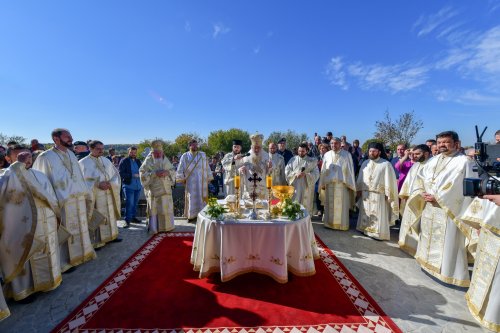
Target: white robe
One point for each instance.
(75, 200)
(107, 202)
(260, 168)
(337, 175)
(409, 231)
(441, 247)
(29, 248)
(483, 296)
(230, 170)
(303, 187)
(278, 169)
(379, 203)
(195, 173)
(158, 193)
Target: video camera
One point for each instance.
(487, 158)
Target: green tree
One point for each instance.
(6, 138)
(293, 139)
(402, 130)
(222, 140)
(365, 145)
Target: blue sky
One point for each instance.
(124, 71)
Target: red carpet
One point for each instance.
(157, 290)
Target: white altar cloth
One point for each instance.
(234, 247)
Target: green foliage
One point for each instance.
(222, 140)
(6, 138)
(400, 131)
(365, 145)
(178, 147)
(293, 139)
(214, 209)
(291, 209)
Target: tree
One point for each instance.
(293, 139)
(222, 140)
(5, 138)
(365, 145)
(402, 130)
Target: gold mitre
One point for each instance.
(157, 145)
(257, 139)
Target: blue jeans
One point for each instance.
(131, 200)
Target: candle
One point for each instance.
(269, 181)
(236, 181)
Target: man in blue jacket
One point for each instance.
(129, 173)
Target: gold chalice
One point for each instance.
(281, 192)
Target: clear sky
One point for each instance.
(123, 71)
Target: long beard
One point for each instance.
(257, 162)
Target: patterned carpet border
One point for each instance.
(367, 308)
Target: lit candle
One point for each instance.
(269, 181)
(236, 181)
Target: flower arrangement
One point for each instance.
(215, 210)
(291, 209)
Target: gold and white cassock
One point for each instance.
(379, 202)
(441, 247)
(106, 202)
(483, 296)
(337, 175)
(303, 187)
(278, 169)
(195, 173)
(29, 248)
(410, 193)
(257, 166)
(75, 201)
(230, 170)
(158, 193)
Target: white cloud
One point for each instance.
(486, 53)
(427, 24)
(391, 78)
(336, 73)
(466, 97)
(219, 29)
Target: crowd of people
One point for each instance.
(59, 206)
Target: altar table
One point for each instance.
(274, 247)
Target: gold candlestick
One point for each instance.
(269, 184)
(237, 181)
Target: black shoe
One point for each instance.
(192, 220)
(116, 240)
(70, 270)
(30, 299)
(136, 220)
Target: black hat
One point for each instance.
(80, 143)
(376, 145)
(237, 142)
(329, 134)
(282, 140)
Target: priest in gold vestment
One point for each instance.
(258, 166)
(29, 248)
(103, 179)
(231, 162)
(195, 173)
(61, 167)
(483, 296)
(278, 165)
(302, 173)
(409, 231)
(377, 193)
(157, 177)
(338, 182)
(441, 247)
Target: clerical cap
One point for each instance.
(80, 143)
(376, 145)
(237, 142)
(329, 134)
(282, 140)
(157, 145)
(257, 139)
